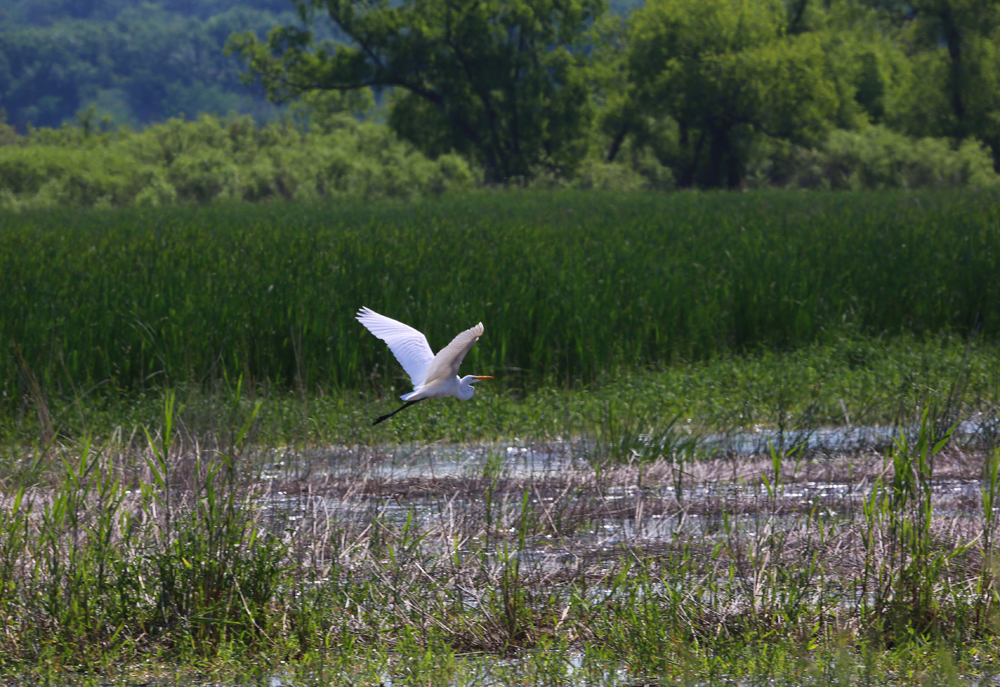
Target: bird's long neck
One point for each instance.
(465, 389)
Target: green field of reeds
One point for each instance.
(191, 488)
(572, 287)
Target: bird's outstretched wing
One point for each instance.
(406, 343)
(448, 359)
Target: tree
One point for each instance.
(612, 94)
(727, 71)
(8, 134)
(956, 47)
(498, 80)
(146, 64)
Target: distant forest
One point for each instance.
(136, 62)
(113, 103)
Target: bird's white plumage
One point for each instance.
(433, 376)
(448, 359)
(408, 345)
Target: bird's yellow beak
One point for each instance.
(484, 378)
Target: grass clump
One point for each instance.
(105, 556)
(868, 385)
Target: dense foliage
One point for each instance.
(499, 80)
(137, 63)
(705, 85)
(685, 93)
(213, 159)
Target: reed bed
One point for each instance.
(779, 567)
(189, 475)
(573, 287)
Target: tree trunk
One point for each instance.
(689, 173)
(953, 39)
(616, 142)
(734, 168)
(796, 14)
(717, 149)
(492, 174)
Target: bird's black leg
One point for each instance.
(404, 407)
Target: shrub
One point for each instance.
(214, 159)
(875, 158)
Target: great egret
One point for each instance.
(433, 376)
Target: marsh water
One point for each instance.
(586, 509)
(567, 510)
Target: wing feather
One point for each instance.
(408, 345)
(446, 362)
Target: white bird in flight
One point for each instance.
(433, 376)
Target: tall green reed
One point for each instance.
(571, 286)
(906, 577)
(987, 593)
(113, 554)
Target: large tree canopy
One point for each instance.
(499, 80)
(703, 93)
(726, 70)
(955, 47)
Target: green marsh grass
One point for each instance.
(166, 553)
(640, 415)
(189, 476)
(573, 287)
(105, 559)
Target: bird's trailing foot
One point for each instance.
(406, 405)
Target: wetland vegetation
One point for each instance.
(744, 438)
(573, 287)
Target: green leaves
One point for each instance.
(217, 160)
(726, 71)
(955, 79)
(499, 80)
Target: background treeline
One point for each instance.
(412, 98)
(136, 62)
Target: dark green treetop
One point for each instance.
(498, 80)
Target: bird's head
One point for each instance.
(465, 385)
